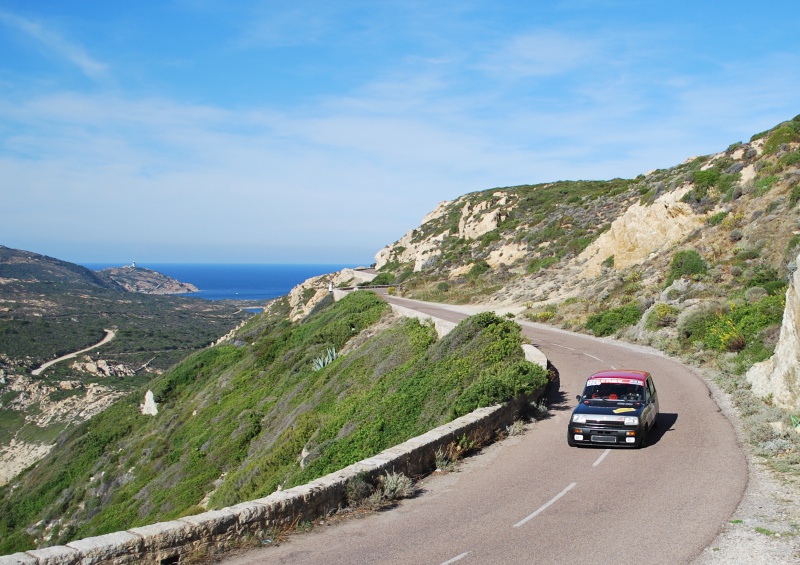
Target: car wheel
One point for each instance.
(570, 441)
(643, 439)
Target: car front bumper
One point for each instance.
(582, 434)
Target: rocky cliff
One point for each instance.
(779, 376)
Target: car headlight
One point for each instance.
(631, 420)
(579, 418)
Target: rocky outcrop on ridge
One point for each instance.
(147, 281)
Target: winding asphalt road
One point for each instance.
(532, 499)
(110, 334)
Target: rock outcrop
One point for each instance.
(640, 231)
(147, 281)
(47, 405)
(422, 246)
(305, 296)
(779, 376)
(149, 408)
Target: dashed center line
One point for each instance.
(456, 558)
(544, 507)
(600, 459)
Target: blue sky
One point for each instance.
(318, 132)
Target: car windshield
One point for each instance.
(614, 391)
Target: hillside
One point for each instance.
(49, 308)
(271, 410)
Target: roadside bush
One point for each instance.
(734, 330)
(395, 486)
(610, 321)
(358, 490)
(498, 385)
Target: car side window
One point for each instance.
(651, 389)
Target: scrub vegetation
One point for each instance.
(237, 422)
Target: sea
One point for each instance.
(218, 281)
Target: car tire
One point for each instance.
(643, 440)
(570, 441)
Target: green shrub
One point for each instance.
(795, 196)
(717, 218)
(703, 180)
(662, 315)
(497, 385)
(790, 159)
(764, 185)
(540, 263)
(734, 330)
(687, 262)
(610, 321)
(382, 279)
(478, 269)
(785, 133)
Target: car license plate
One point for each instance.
(604, 439)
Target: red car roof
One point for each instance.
(621, 374)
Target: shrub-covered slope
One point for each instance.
(235, 422)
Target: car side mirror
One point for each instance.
(578, 397)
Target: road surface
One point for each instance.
(532, 499)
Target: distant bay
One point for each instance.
(218, 281)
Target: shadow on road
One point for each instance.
(666, 420)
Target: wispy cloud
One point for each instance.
(56, 45)
(542, 53)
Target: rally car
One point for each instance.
(616, 408)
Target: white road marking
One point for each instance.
(593, 357)
(600, 459)
(456, 558)
(544, 507)
(563, 346)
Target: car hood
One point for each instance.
(621, 409)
